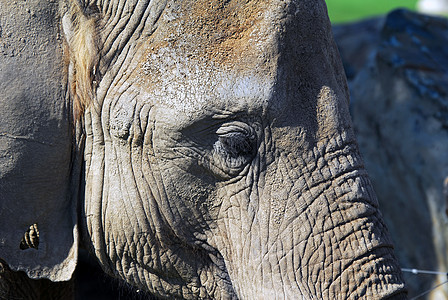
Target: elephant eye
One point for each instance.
(235, 146)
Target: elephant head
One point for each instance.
(218, 155)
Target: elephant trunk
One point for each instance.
(315, 231)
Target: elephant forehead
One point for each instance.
(222, 57)
(188, 89)
(220, 31)
(212, 53)
(212, 56)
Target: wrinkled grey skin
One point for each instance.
(218, 156)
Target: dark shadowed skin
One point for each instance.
(219, 159)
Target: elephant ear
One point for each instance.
(38, 225)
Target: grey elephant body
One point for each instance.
(218, 155)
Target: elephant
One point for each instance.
(198, 149)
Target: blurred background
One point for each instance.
(395, 56)
(342, 11)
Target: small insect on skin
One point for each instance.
(30, 238)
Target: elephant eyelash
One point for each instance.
(235, 146)
(236, 139)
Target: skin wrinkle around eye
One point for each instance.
(227, 158)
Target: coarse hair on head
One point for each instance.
(80, 26)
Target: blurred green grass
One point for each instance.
(342, 11)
